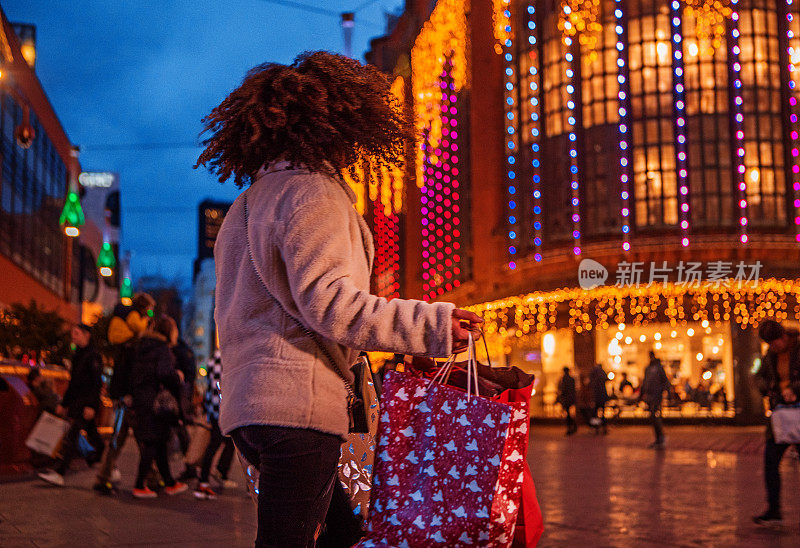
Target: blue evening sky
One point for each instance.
(146, 72)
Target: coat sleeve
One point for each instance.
(96, 364)
(166, 372)
(318, 254)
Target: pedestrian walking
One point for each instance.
(80, 404)
(567, 397)
(597, 382)
(211, 401)
(186, 364)
(155, 387)
(779, 380)
(654, 384)
(293, 259)
(128, 323)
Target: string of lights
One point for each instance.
(503, 31)
(738, 117)
(533, 71)
(743, 301)
(680, 119)
(573, 146)
(624, 150)
(793, 56)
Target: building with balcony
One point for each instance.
(604, 178)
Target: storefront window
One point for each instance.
(697, 358)
(650, 62)
(764, 161)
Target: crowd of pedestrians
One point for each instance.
(592, 397)
(152, 389)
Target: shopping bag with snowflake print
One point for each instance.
(449, 465)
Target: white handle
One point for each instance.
(472, 368)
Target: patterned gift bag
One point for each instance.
(358, 453)
(449, 468)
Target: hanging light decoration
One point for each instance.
(106, 260)
(710, 18)
(581, 18)
(72, 218)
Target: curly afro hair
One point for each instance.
(325, 112)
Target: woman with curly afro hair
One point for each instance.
(293, 261)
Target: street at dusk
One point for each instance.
(594, 491)
(400, 273)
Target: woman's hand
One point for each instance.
(461, 332)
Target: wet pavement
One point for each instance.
(613, 491)
(598, 491)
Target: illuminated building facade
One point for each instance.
(655, 141)
(36, 158)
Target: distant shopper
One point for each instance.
(567, 397)
(585, 401)
(186, 364)
(779, 380)
(654, 384)
(43, 390)
(156, 386)
(80, 404)
(211, 405)
(597, 382)
(128, 323)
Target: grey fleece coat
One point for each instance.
(314, 252)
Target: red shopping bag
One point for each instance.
(449, 468)
(530, 524)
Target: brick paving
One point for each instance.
(604, 491)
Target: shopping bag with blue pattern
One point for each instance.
(449, 464)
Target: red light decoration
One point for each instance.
(440, 202)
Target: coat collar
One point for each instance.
(284, 165)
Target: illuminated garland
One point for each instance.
(624, 145)
(710, 18)
(502, 27)
(581, 18)
(793, 51)
(387, 253)
(441, 197)
(680, 119)
(738, 118)
(502, 20)
(609, 305)
(443, 35)
(535, 132)
(572, 124)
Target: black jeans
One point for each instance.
(773, 453)
(297, 472)
(224, 462)
(655, 419)
(572, 426)
(154, 450)
(71, 448)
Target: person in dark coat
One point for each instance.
(779, 380)
(597, 383)
(185, 363)
(156, 410)
(654, 384)
(80, 404)
(567, 397)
